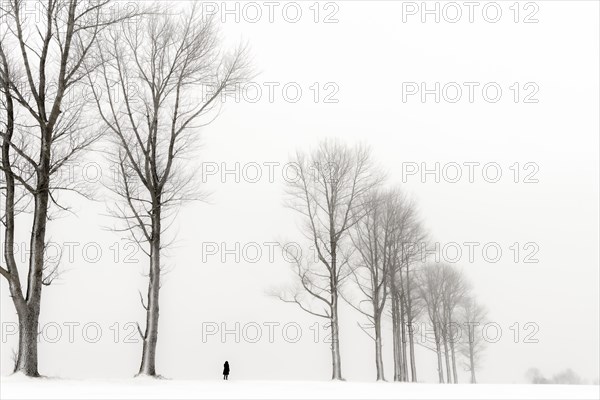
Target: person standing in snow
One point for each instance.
(226, 370)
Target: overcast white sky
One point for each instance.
(365, 57)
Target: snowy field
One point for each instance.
(52, 388)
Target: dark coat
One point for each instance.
(226, 368)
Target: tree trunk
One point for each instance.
(411, 339)
(28, 310)
(411, 344)
(396, 336)
(438, 350)
(403, 340)
(336, 372)
(472, 358)
(148, 365)
(453, 355)
(335, 339)
(28, 321)
(447, 358)
(444, 331)
(378, 353)
(27, 360)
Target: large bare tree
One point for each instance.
(332, 182)
(43, 129)
(161, 80)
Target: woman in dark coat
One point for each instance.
(226, 370)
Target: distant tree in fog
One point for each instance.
(455, 290)
(472, 316)
(565, 377)
(534, 375)
(429, 286)
(443, 289)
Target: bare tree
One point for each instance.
(472, 317)
(454, 292)
(406, 306)
(384, 240)
(42, 131)
(443, 289)
(331, 184)
(373, 238)
(161, 80)
(410, 297)
(430, 282)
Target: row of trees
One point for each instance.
(144, 69)
(456, 318)
(372, 236)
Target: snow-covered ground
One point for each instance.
(53, 388)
